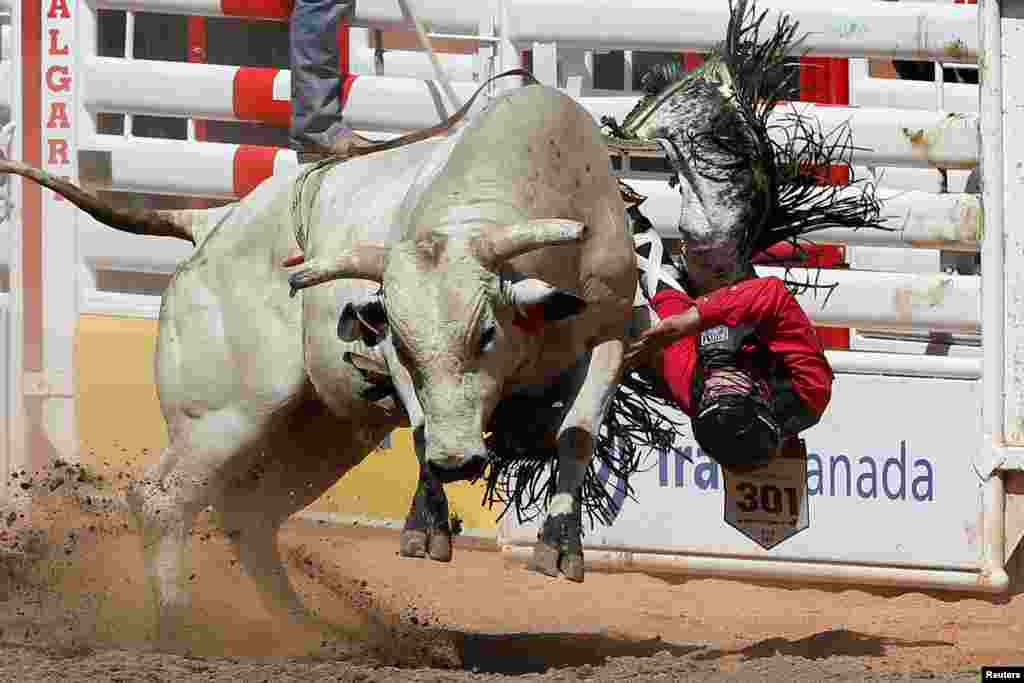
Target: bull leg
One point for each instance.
(165, 515)
(253, 539)
(559, 547)
(427, 532)
(165, 502)
(303, 459)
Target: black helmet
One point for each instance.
(737, 431)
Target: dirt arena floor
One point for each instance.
(74, 607)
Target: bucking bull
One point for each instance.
(464, 268)
(439, 281)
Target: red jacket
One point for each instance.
(765, 305)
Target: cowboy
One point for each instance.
(741, 361)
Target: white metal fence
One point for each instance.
(909, 140)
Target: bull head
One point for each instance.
(455, 327)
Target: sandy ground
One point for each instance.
(76, 609)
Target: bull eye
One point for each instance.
(487, 336)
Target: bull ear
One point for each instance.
(348, 324)
(365, 320)
(498, 244)
(536, 302)
(373, 369)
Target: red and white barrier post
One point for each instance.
(44, 239)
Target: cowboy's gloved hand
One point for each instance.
(666, 331)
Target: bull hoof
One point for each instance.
(572, 567)
(440, 546)
(559, 548)
(544, 560)
(412, 543)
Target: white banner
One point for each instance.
(889, 482)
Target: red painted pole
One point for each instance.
(32, 204)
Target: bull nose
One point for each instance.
(459, 468)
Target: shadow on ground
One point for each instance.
(525, 653)
(831, 643)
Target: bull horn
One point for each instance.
(508, 241)
(361, 262)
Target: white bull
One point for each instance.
(477, 240)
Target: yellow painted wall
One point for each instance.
(121, 428)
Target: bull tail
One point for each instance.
(184, 224)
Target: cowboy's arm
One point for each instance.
(758, 303)
(755, 303)
(766, 306)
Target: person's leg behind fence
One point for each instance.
(317, 124)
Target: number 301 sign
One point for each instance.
(769, 504)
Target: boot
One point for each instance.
(341, 146)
